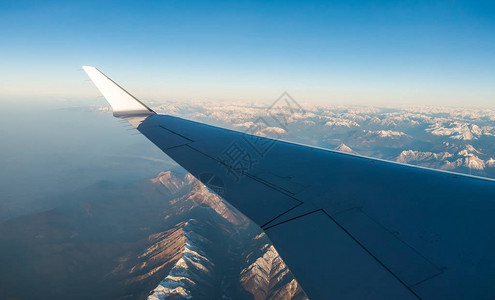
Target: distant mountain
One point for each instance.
(423, 135)
(385, 134)
(340, 122)
(382, 132)
(344, 148)
(466, 157)
(456, 130)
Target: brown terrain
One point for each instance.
(166, 238)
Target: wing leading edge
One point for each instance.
(348, 227)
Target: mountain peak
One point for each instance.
(172, 181)
(344, 148)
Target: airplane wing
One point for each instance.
(348, 227)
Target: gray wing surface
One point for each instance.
(348, 227)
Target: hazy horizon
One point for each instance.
(54, 146)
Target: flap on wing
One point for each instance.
(328, 263)
(283, 183)
(401, 259)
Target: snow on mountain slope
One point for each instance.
(266, 276)
(339, 122)
(173, 182)
(216, 249)
(192, 271)
(408, 156)
(385, 134)
(344, 148)
(467, 157)
(456, 130)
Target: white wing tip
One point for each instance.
(122, 102)
(88, 67)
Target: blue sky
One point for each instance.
(372, 52)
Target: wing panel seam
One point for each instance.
(290, 209)
(291, 219)
(176, 133)
(273, 187)
(371, 254)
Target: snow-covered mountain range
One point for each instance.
(437, 137)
